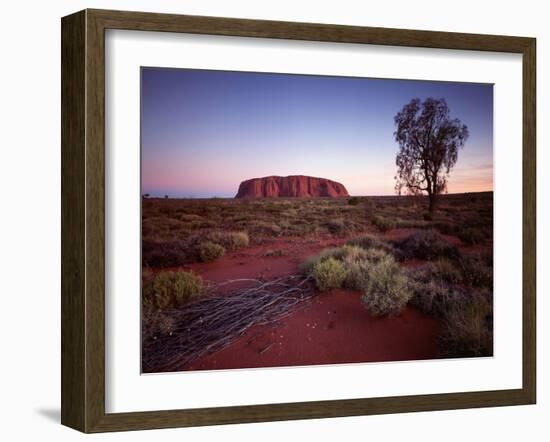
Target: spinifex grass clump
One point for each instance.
(329, 274)
(383, 223)
(477, 270)
(172, 253)
(229, 240)
(370, 242)
(210, 251)
(371, 271)
(467, 328)
(169, 289)
(336, 226)
(386, 291)
(426, 245)
(473, 235)
(459, 295)
(198, 246)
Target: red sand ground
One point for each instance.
(333, 328)
(251, 262)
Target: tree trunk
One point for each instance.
(431, 199)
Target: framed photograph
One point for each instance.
(270, 220)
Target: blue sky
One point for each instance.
(203, 132)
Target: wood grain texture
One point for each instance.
(95, 222)
(73, 128)
(83, 220)
(529, 220)
(144, 21)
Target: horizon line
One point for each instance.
(167, 196)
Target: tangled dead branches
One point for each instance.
(174, 338)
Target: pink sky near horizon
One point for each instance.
(376, 182)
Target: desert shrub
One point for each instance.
(207, 224)
(477, 270)
(356, 274)
(445, 270)
(434, 287)
(238, 240)
(444, 227)
(336, 226)
(369, 242)
(412, 224)
(189, 217)
(210, 251)
(354, 201)
(428, 216)
(157, 323)
(229, 240)
(426, 244)
(466, 314)
(285, 224)
(309, 263)
(272, 253)
(169, 289)
(431, 296)
(307, 266)
(382, 223)
(467, 329)
(266, 228)
(160, 254)
(472, 235)
(387, 291)
(357, 262)
(329, 274)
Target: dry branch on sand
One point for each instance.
(174, 338)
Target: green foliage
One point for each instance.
(357, 265)
(477, 270)
(354, 201)
(372, 271)
(336, 226)
(466, 314)
(169, 289)
(445, 270)
(210, 251)
(329, 274)
(429, 140)
(432, 297)
(369, 242)
(427, 245)
(164, 253)
(383, 224)
(308, 265)
(387, 291)
(238, 240)
(229, 240)
(467, 329)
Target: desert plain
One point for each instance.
(255, 282)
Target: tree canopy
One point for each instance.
(429, 141)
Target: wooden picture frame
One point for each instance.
(83, 220)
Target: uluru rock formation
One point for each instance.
(290, 186)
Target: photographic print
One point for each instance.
(297, 220)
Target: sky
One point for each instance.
(203, 132)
